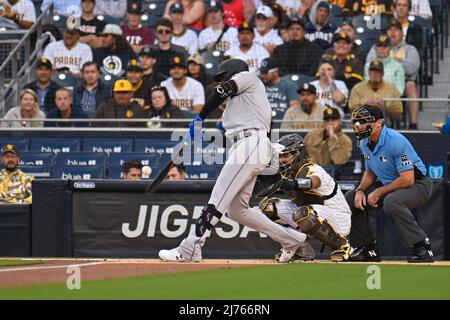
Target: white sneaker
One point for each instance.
(286, 255)
(171, 255)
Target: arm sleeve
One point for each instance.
(412, 63)
(30, 12)
(403, 156)
(218, 96)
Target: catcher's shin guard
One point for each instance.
(268, 207)
(209, 218)
(310, 223)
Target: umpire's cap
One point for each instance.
(229, 68)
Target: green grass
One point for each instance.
(15, 263)
(294, 281)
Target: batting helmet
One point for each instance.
(293, 145)
(229, 68)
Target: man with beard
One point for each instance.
(15, 186)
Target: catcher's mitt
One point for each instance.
(271, 189)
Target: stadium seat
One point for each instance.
(298, 79)
(66, 79)
(54, 145)
(203, 172)
(59, 21)
(36, 171)
(109, 79)
(32, 159)
(107, 145)
(368, 29)
(77, 172)
(80, 159)
(149, 20)
(154, 146)
(21, 144)
(117, 159)
(115, 172)
(155, 8)
(212, 60)
(107, 19)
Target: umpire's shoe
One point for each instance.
(421, 252)
(367, 253)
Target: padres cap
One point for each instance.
(394, 23)
(134, 65)
(112, 29)
(176, 8)
(147, 52)
(268, 64)
(265, 11)
(196, 58)
(122, 85)
(177, 61)
(383, 40)
(341, 36)
(215, 6)
(10, 148)
(307, 87)
(245, 26)
(300, 22)
(72, 24)
(376, 65)
(44, 62)
(331, 113)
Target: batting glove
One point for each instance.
(195, 125)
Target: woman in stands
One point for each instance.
(162, 108)
(27, 110)
(194, 12)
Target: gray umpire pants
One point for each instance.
(398, 205)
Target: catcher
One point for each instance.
(305, 197)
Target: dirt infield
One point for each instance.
(55, 270)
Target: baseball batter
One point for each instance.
(246, 120)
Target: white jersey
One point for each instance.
(421, 8)
(73, 58)
(252, 57)
(270, 38)
(325, 95)
(190, 95)
(188, 40)
(249, 109)
(25, 9)
(208, 38)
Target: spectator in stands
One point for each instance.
(281, 93)
(141, 89)
(348, 68)
(44, 86)
(68, 53)
(63, 7)
(132, 170)
(412, 32)
(196, 70)
(292, 8)
(147, 57)
(368, 7)
(194, 12)
(17, 14)
(319, 29)
(177, 173)
(161, 107)
(248, 50)
(113, 8)
(306, 116)
(330, 92)
(186, 93)
(120, 107)
(218, 36)
(421, 8)
(27, 110)
(393, 70)
(305, 9)
(93, 91)
(329, 145)
(374, 90)
(66, 110)
(265, 35)
(115, 53)
(279, 16)
(137, 35)
(409, 57)
(237, 11)
(90, 26)
(182, 36)
(164, 50)
(347, 28)
(298, 55)
(15, 186)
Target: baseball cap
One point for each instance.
(383, 40)
(215, 6)
(245, 26)
(88, 0)
(44, 62)
(324, 5)
(146, 51)
(112, 29)
(122, 85)
(176, 8)
(376, 65)
(134, 64)
(394, 23)
(10, 148)
(300, 22)
(307, 87)
(342, 36)
(265, 11)
(331, 113)
(177, 61)
(268, 64)
(134, 8)
(196, 58)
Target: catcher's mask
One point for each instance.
(229, 68)
(294, 146)
(363, 120)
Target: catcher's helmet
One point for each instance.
(293, 144)
(362, 115)
(229, 68)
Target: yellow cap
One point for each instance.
(122, 85)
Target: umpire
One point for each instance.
(390, 158)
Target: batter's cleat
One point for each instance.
(421, 253)
(171, 256)
(303, 253)
(368, 253)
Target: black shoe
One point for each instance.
(421, 252)
(366, 254)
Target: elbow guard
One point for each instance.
(304, 183)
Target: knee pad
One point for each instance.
(268, 207)
(207, 220)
